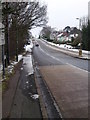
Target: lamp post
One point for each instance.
(16, 36)
(80, 50)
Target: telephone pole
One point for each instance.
(80, 50)
(7, 35)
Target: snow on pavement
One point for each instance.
(27, 63)
(28, 48)
(35, 96)
(27, 60)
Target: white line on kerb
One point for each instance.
(62, 62)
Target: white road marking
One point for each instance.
(50, 55)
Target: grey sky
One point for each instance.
(62, 13)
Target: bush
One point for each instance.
(72, 39)
(76, 42)
(55, 41)
(49, 40)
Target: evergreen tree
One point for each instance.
(86, 36)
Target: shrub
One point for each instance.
(76, 42)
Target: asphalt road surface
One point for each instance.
(45, 55)
(66, 78)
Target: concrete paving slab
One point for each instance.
(69, 86)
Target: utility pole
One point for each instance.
(16, 44)
(80, 50)
(3, 62)
(16, 38)
(6, 36)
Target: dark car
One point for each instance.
(36, 44)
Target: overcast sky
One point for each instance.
(62, 13)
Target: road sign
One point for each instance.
(2, 40)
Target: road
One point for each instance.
(66, 78)
(47, 55)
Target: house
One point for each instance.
(68, 33)
(67, 29)
(63, 37)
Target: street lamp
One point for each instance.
(80, 50)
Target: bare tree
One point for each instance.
(45, 32)
(34, 15)
(83, 21)
(19, 18)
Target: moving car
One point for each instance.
(36, 44)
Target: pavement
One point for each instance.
(21, 99)
(8, 96)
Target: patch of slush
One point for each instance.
(35, 96)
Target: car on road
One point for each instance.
(36, 44)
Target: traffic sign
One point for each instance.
(2, 40)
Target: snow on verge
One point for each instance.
(11, 66)
(28, 48)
